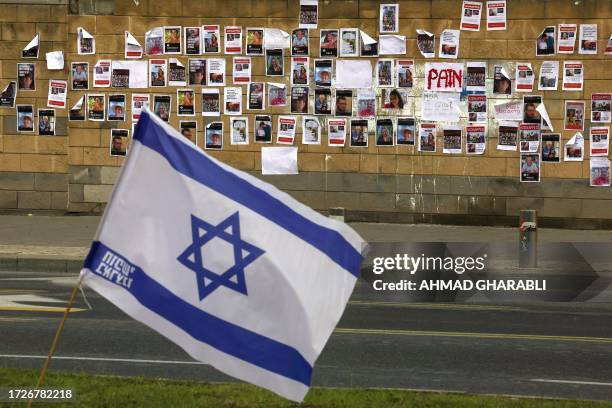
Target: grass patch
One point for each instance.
(99, 391)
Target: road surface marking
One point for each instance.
(18, 319)
(572, 382)
(117, 360)
(503, 336)
(21, 302)
(446, 306)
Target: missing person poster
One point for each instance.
(574, 148)
(300, 99)
(449, 44)
(551, 147)
(507, 136)
(25, 118)
(157, 73)
(255, 41)
(285, 129)
(336, 132)
(300, 70)
(256, 96)
(599, 138)
(600, 172)
(211, 37)
(476, 139)
(524, 77)
(427, 137)
(46, 122)
(96, 107)
(359, 133)
(496, 15)
(477, 108)
(426, 43)
(241, 70)
(189, 129)
(216, 71)
(369, 46)
(530, 109)
(132, 48)
(384, 132)
(530, 168)
(573, 75)
(214, 136)
(176, 73)
(277, 94)
(80, 75)
(119, 142)
(32, 49)
(162, 106)
(185, 102)
(328, 43)
(502, 83)
(451, 139)
(233, 40)
(344, 102)
(566, 38)
(405, 131)
(323, 69)
(86, 43)
(8, 95)
(349, 42)
(574, 115)
(173, 40)
(323, 101)
(58, 91)
(384, 72)
(116, 108)
(211, 104)
(545, 44)
(366, 103)
(193, 40)
(549, 76)
(309, 13)
(470, 15)
(26, 76)
(197, 71)
(77, 112)
(600, 107)
(299, 42)
(587, 39)
(404, 73)
(389, 18)
(311, 130)
(139, 101)
(263, 128)
(239, 131)
(274, 62)
(154, 41)
(529, 137)
(476, 76)
(232, 97)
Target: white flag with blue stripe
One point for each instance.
(234, 271)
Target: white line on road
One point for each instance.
(571, 382)
(118, 360)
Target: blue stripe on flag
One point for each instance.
(229, 338)
(202, 169)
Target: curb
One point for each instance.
(40, 263)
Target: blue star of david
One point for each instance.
(244, 254)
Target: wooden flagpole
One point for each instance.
(58, 333)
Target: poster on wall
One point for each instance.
(566, 38)
(530, 168)
(587, 39)
(262, 129)
(309, 13)
(285, 129)
(476, 139)
(211, 37)
(449, 44)
(239, 131)
(189, 129)
(384, 132)
(476, 76)
(233, 40)
(507, 136)
(574, 148)
(86, 43)
(46, 122)
(211, 103)
(139, 101)
(524, 77)
(502, 83)
(574, 115)
(58, 91)
(79, 72)
(389, 18)
(426, 43)
(549, 76)
(496, 15)
(336, 132)
(405, 131)
(573, 75)
(216, 71)
(8, 95)
(349, 42)
(545, 44)
(154, 41)
(404, 73)
(241, 70)
(157, 73)
(254, 41)
(440, 106)
(193, 41)
(599, 172)
(311, 130)
(299, 42)
(369, 46)
(277, 94)
(328, 44)
(600, 107)
(116, 108)
(31, 50)
(359, 133)
(77, 112)
(96, 107)
(451, 139)
(529, 137)
(214, 136)
(477, 108)
(25, 118)
(551, 147)
(132, 48)
(173, 40)
(600, 140)
(470, 15)
(427, 137)
(256, 96)
(232, 101)
(26, 76)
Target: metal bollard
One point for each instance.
(337, 213)
(528, 239)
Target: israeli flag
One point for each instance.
(236, 272)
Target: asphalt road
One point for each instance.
(550, 350)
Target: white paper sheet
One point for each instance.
(133, 49)
(138, 72)
(392, 44)
(440, 106)
(279, 160)
(276, 38)
(545, 118)
(574, 148)
(353, 74)
(55, 60)
(511, 110)
(31, 50)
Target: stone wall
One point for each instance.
(375, 183)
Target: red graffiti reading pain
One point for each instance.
(447, 78)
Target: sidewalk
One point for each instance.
(60, 243)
